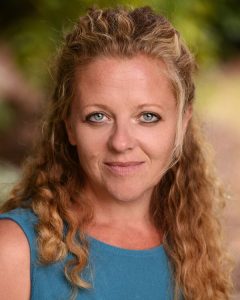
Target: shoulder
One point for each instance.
(14, 261)
(12, 240)
(23, 220)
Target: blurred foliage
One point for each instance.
(7, 115)
(33, 28)
(8, 177)
(218, 94)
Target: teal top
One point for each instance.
(114, 273)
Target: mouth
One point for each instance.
(124, 168)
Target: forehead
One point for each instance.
(139, 78)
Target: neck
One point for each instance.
(121, 214)
(122, 223)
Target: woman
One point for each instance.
(118, 201)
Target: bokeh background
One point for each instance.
(32, 30)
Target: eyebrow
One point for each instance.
(139, 106)
(96, 104)
(150, 104)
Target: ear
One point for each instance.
(70, 132)
(187, 114)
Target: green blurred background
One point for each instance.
(31, 31)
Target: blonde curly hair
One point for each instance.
(191, 200)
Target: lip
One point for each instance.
(123, 168)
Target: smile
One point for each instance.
(124, 168)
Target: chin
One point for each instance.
(130, 194)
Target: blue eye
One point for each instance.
(149, 117)
(96, 117)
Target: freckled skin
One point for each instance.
(117, 89)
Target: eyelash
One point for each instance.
(88, 117)
(156, 116)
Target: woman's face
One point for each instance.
(123, 123)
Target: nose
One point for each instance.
(122, 138)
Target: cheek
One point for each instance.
(160, 143)
(89, 146)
